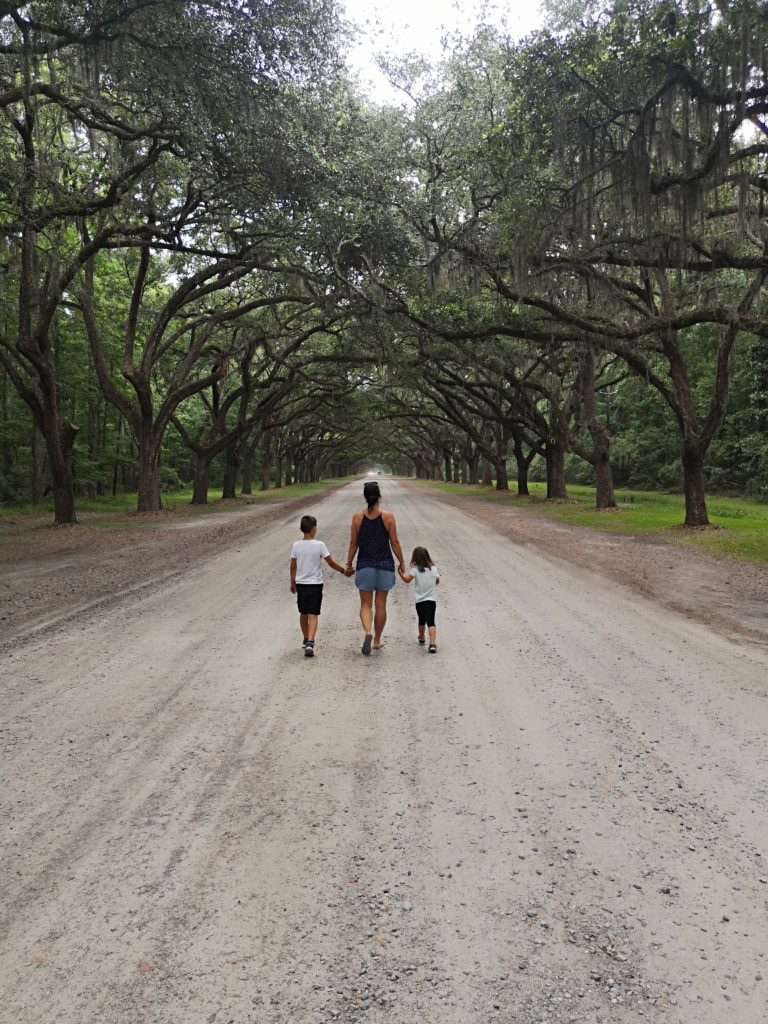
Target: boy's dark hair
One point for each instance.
(420, 558)
(307, 524)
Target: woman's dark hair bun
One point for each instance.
(371, 493)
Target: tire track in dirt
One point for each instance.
(549, 820)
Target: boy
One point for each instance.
(307, 579)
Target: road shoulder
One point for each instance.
(726, 595)
(51, 575)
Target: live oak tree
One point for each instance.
(604, 186)
(265, 394)
(543, 220)
(57, 135)
(661, 218)
(94, 98)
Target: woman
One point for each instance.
(374, 537)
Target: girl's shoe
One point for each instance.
(432, 648)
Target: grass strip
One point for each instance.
(741, 524)
(118, 512)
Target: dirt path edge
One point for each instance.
(52, 577)
(725, 594)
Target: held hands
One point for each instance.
(348, 570)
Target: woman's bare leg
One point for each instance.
(366, 610)
(380, 618)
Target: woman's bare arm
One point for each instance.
(356, 518)
(391, 525)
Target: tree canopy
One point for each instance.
(218, 261)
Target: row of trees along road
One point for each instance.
(215, 254)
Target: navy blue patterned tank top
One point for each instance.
(373, 550)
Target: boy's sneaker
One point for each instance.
(304, 642)
(309, 649)
(422, 641)
(432, 648)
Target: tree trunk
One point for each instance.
(522, 461)
(231, 469)
(601, 438)
(8, 452)
(500, 449)
(60, 461)
(38, 462)
(148, 476)
(604, 495)
(555, 458)
(102, 483)
(200, 486)
(278, 470)
(266, 461)
(90, 487)
(487, 473)
(247, 475)
(693, 484)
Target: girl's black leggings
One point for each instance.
(426, 612)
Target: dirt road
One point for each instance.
(561, 816)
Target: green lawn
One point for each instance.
(743, 524)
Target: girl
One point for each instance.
(426, 578)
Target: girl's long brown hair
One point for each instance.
(420, 558)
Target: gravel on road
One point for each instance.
(560, 816)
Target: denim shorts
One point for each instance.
(370, 578)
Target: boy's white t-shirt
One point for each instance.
(309, 555)
(425, 583)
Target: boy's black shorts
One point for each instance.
(426, 612)
(309, 597)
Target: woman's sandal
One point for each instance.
(432, 648)
(366, 648)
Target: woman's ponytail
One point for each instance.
(372, 494)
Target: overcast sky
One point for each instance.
(403, 26)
